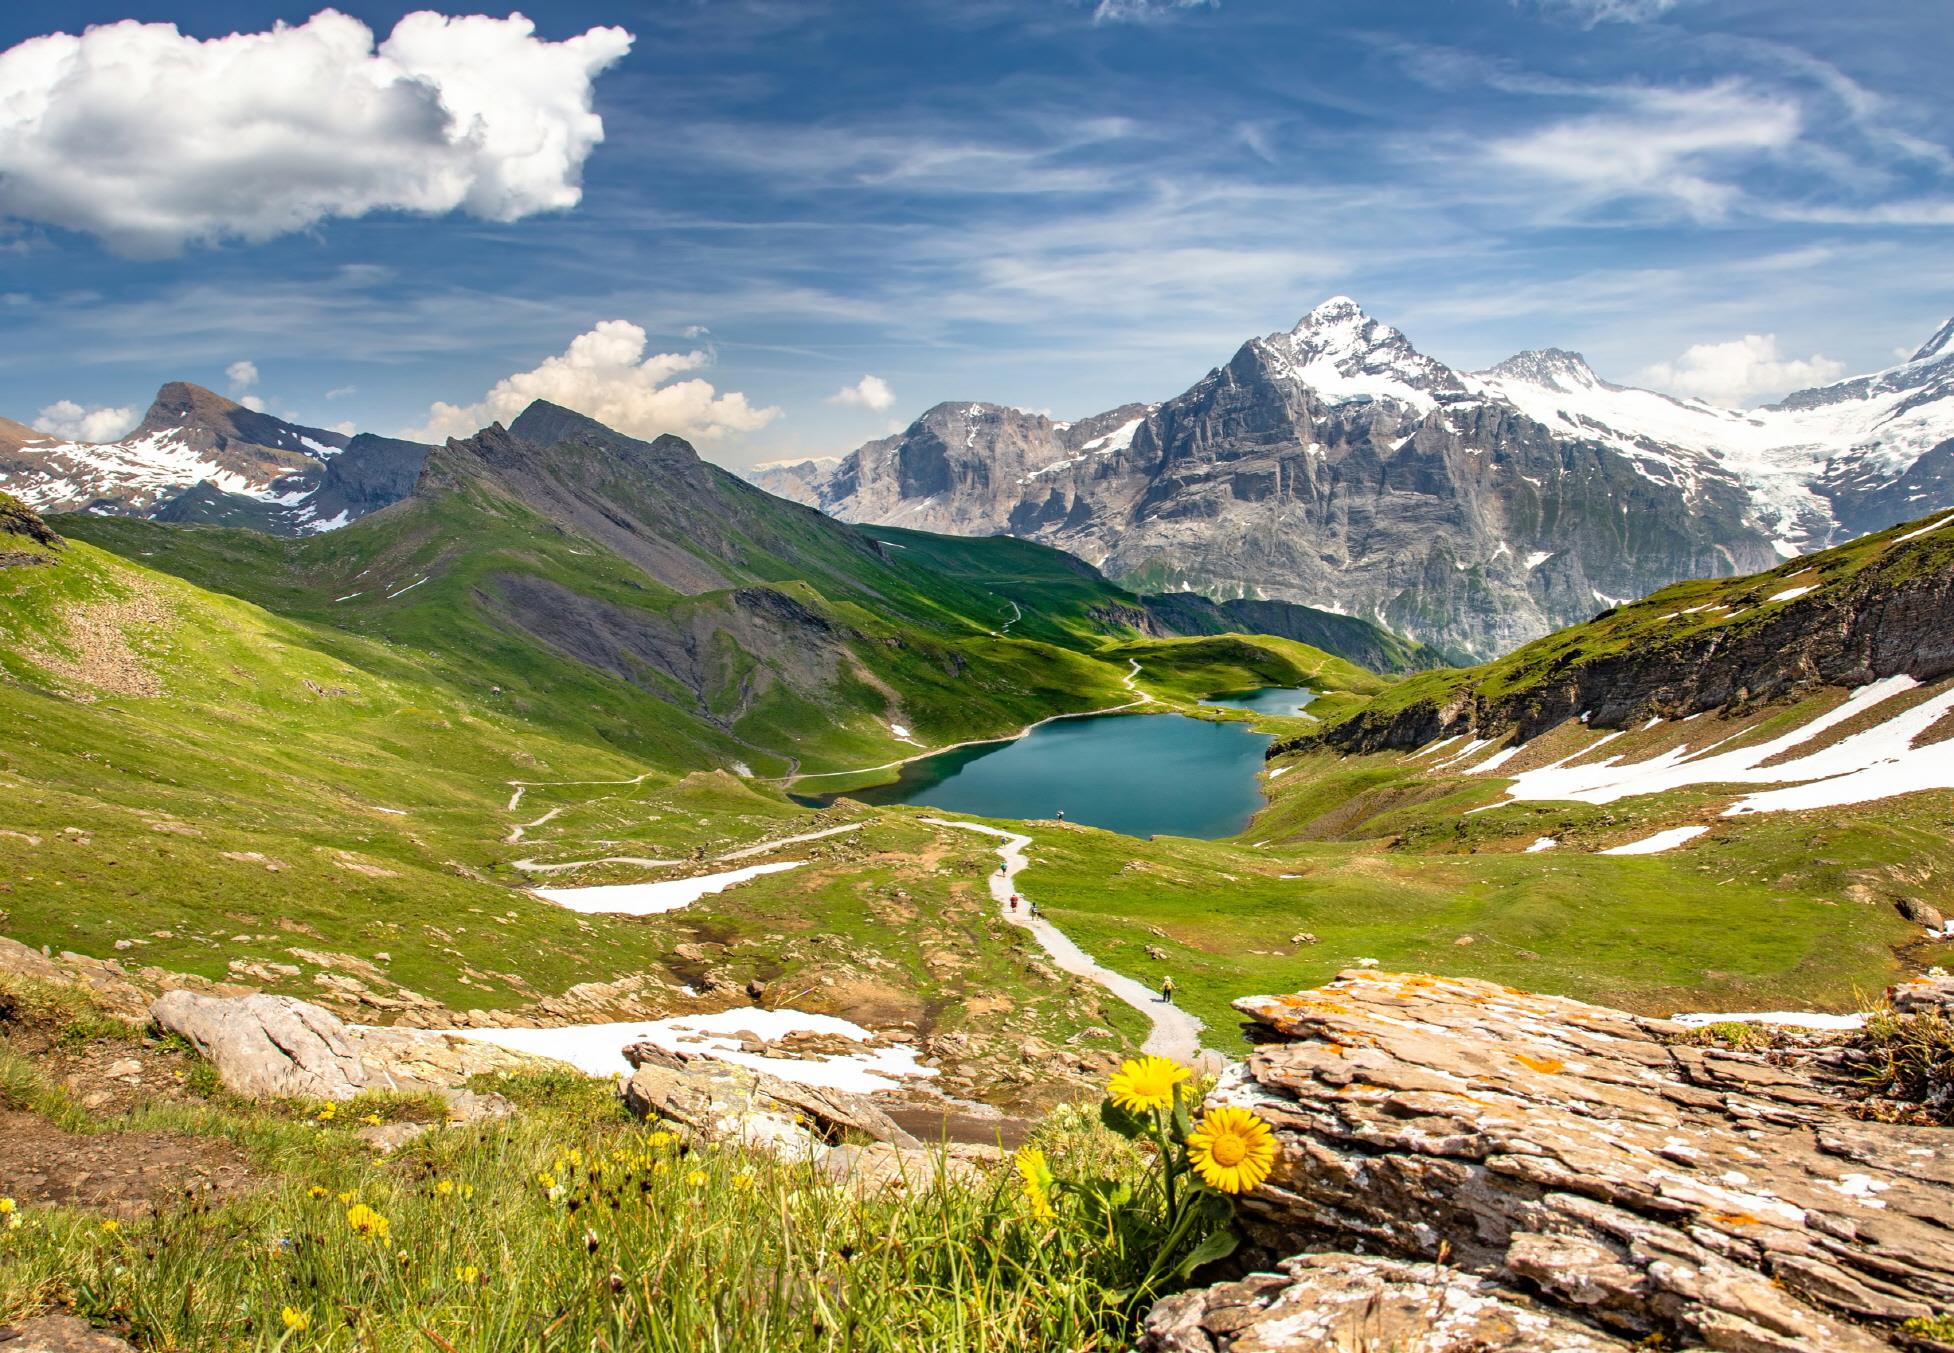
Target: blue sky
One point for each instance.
(1029, 201)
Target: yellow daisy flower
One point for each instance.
(318, 1191)
(445, 1187)
(1037, 1176)
(7, 1205)
(365, 1221)
(467, 1273)
(1146, 1084)
(697, 1179)
(1231, 1149)
(295, 1320)
(111, 1226)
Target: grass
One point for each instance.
(572, 1226)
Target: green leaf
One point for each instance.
(1217, 1244)
(1124, 1121)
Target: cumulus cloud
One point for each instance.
(1740, 371)
(242, 376)
(72, 422)
(606, 375)
(1145, 11)
(152, 140)
(870, 392)
(253, 403)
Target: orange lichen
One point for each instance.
(1546, 1066)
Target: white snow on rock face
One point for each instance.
(1342, 354)
(651, 899)
(1875, 763)
(598, 1049)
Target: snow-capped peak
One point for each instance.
(1344, 355)
(1940, 345)
(1550, 368)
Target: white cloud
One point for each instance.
(342, 391)
(241, 375)
(152, 140)
(71, 422)
(347, 428)
(1673, 145)
(1145, 11)
(1738, 372)
(606, 375)
(870, 392)
(1591, 12)
(253, 403)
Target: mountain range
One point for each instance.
(1337, 466)
(198, 457)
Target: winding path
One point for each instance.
(1175, 1034)
(743, 853)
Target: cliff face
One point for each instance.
(1874, 609)
(24, 537)
(1336, 466)
(1473, 1167)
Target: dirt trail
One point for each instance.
(1176, 1033)
(744, 852)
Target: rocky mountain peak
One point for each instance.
(1940, 345)
(1345, 355)
(180, 404)
(550, 425)
(1551, 368)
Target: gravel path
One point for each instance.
(1176, 1033)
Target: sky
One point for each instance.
(783, 227)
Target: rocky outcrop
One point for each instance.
(1350, 1302)
(20, 524)
(1613, 1173)
(278, 1047)
(1854, 625)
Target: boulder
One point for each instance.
(60, 1334)
(279, 1047)
(275, 1047)
(1931, 992)
(1346, 1301)
(1645, 1186)
(1921, 913)
(720, 1099)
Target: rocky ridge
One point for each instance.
(1466, 1166)
(1336, 466)
(199, 457)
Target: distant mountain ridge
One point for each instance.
(201, 458)
(1337, 466)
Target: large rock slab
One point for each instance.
(721, 1100)
(274, 1047)
(1347, 1301)
(279, 1047)
(1644, 1186)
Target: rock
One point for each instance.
(279, 1047)
(1304, 937)
(1156, 953)
(59, 1334)
(1920, 913)
(387, 1138)
(272, 1046)
(127, 1066)
(882, 1167)
(1647, 1187)
(1932, 991)
(1339, 1302)
(720, 1099)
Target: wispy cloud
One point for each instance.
(1146, 11)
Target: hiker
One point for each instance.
(1167, 990)
(1014, 903)
(1061, 815)
(1032, 907)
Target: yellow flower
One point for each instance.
(327, 1113)
(697, 1179)
(7, 1205)
(548, 1181)
(111, 1226)
(1149, 1083)
(660, 1138)
(1231, 1149)
(371, 1120)
(318, 1190)
(742, 1181)
(445, 1187)
(468, 1190)
(294, 1320)
(365, 1221)
(467, 1273)
(1037, 1176)
(348, 1198)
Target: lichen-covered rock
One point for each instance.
(1345, 1301)
(1646, 1186)
(1932, 991)
(722, 1100)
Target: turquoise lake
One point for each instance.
(1138, 774)
(1268, 700)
